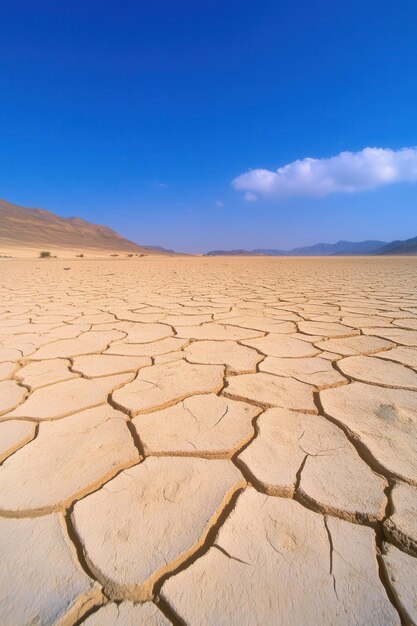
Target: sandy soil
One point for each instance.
(8, 252)
(208, 441)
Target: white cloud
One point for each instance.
(162, 185)
(250, 197)
(219, 204)
(347, 172)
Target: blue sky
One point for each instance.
(140, 115)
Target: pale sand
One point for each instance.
(221, 440)
(69, 252)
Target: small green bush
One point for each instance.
(45, 254)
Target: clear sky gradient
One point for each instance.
(139, 115)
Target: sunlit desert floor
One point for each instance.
(208, 441)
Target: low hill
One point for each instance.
(160, 249)
(409, 246)
(348, 248)
(30, 230)
(230, 253)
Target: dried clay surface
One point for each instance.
(191, 440)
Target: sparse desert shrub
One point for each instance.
(114, 255)
(80, 256)
(45, 254)
(130, 255)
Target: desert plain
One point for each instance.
(208, 441)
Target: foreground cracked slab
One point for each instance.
(93, 365)
(354, 345)
(147, 349)
(161, 385)
(68, 397)
(282, 346)
(13, 435)
(401, 571)
(86, 343)
(379, 372)
(401, 525)
(297, 451)
(64, 461)
(406, 356)
(218, 332)
(42, 373)
(327, 329)
(10, 354)
(153, 517)
(314, 371)
(398, 335)
(238, 359)
(11, 394)
(384, 421)
(207, 425)
(269, 390)
(263, 323)
(284, 565)
(7, 369)
(127, 614)
(42, 582)
(147, 333)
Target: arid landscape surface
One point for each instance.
(208, 441)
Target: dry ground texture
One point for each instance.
(208, 441)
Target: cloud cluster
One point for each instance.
(347, 172)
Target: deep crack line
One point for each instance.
(230, 556)
(329, 535)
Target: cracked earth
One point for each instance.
(208, 441)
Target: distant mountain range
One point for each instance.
(161, 249)
(329, 249)
(35, 230)
(232, 253)
(340, 248)
(409, 246)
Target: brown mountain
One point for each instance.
(35, 229)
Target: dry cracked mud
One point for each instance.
(208, 441)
